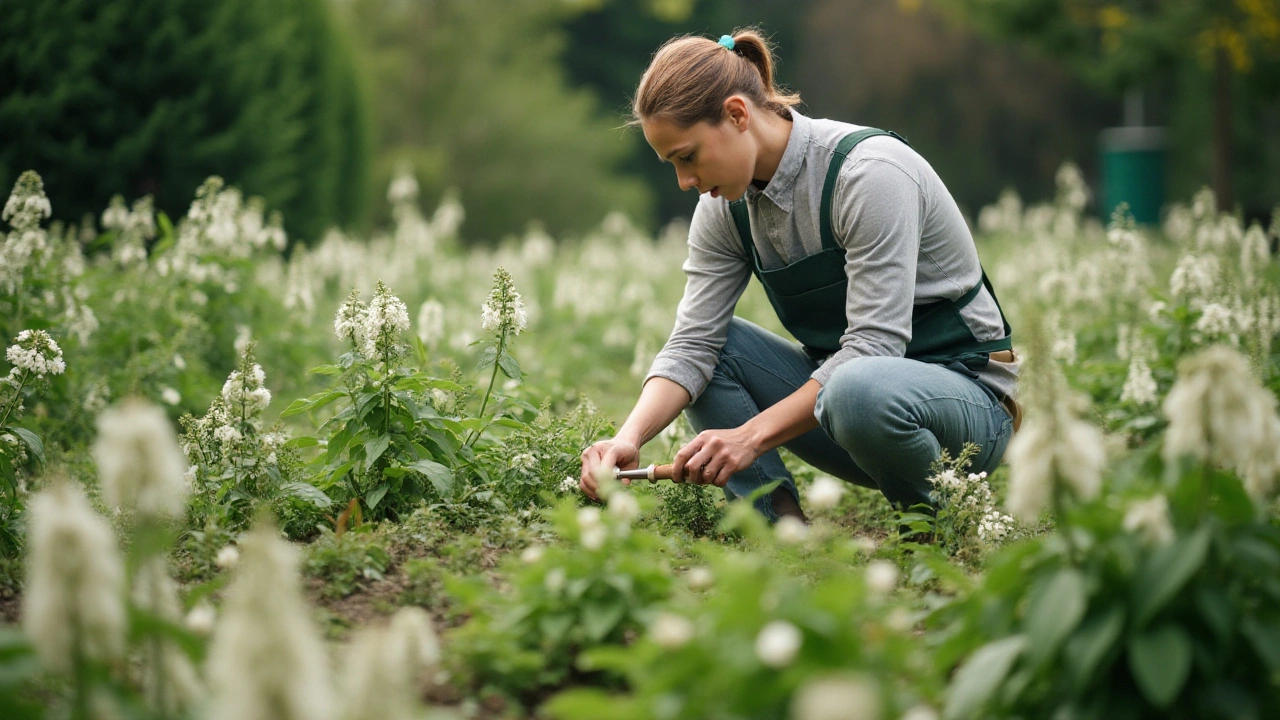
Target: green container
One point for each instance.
(1133, 161)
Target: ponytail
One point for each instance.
(690, 77)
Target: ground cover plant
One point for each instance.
(342, 483)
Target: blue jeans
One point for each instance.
(883, 421)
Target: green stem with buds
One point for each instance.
(493, 377)
(17, 398)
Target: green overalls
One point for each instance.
(809, 294)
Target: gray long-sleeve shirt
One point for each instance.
(905, 243)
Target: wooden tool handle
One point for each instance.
(662, 472)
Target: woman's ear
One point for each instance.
(738, 112)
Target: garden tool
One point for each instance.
(651, 473)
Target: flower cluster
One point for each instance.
(139, 461)
(1219, 413)
(1150, 520)
(37, 353)
(504, 313)
(133, 229)
(244, 393)
(970, 505)
(25, 209)
(373, 329)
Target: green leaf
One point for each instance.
(509, 366)
(1089, 644)
(1054, 611)
(1160, 660)
(32, 441)
(487, 358)
(1215, 608)
(1165, 572)
(375, 496)
(302, 441)
(374, 447)
(592, 703)
(314, 402)
(976, 681)
(1265, 639)
(325, 370)
(440, 476)
(599, 619)
(307, 492)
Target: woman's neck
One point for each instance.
(772, 135)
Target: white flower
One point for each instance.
(384, 665)
(569, 484)
(531, 554)
(671, 631)
(623, 507)
(37, 353)
(1215, 320)
(243, 391)
(179, 362)
(504, 311)
(73, 602)
(1139, 386)
(825, 493)
(266, 661)
(139, 461)
(170, 396)
(920, 712)
(1150, 519)
(882, 577)
(201, 618)
(837, 697)
(385, 319)
(790, 530)
(778, 643)
(1048, 449)
(588, 517)
(431, 322)
(227, 557)
(593, 537)
(226, 434)
(349, 323)
(1219, 413)
(700, 578)
(554, 580)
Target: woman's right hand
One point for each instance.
(610, 454)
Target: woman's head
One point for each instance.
(706, 107)
(690, 77)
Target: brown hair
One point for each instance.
(690, 77)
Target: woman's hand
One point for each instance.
(607, 454)
(714, 456)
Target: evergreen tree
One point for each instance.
(151, 96)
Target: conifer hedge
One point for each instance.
(151, 96)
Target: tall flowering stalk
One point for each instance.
(73, 607)
(504, 315)
(33, 355)
(266, 661)
(1056, 455)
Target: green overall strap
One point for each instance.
(843, 148)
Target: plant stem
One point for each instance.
(493, 377)
(17, 397)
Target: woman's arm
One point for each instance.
(661, 400)
(715, 455)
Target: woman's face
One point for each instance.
(717, 159)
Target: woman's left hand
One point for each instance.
(714, 456)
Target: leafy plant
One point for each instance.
(345, 561)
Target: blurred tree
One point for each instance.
(1123, 44)
(151, 96)
(471, 93)
(985, 117)
(611, 43)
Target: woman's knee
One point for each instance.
(859, 404)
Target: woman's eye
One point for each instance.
(689, 157)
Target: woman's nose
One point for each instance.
(686, 181)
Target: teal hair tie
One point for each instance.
(727, 42)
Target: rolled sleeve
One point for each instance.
(717, 273)
(878, 215)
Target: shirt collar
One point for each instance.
(781, 186)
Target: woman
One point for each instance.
(869, 264)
